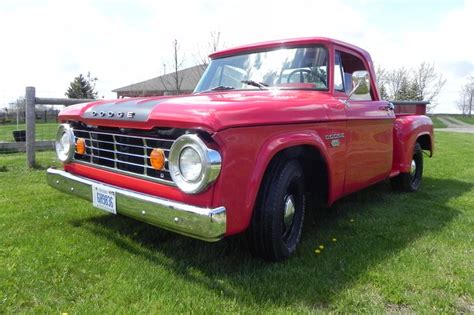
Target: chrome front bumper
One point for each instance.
(201, 223)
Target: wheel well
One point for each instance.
(425, 142)
(314, 169)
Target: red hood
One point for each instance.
(210, 111)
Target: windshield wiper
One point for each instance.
(260, 85)
(219, 88)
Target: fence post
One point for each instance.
(30, 96)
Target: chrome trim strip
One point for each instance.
(210, 162)
(202, 223)
(118, 152)
(115, 150)
(123, 135)
(119, 171)
(120, 161)
(121, 143)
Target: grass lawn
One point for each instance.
(436, 122)
(44, 131)
(393, 252)
(468, 120)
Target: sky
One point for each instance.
(46, 43)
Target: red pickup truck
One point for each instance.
(271, 128)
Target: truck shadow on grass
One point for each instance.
(358, 232)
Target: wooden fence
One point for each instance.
(31, 102)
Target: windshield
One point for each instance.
(287, 68)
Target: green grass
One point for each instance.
(468, 120)
(44, 131)
(437, 123)
(394, 252)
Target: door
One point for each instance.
(369, 130)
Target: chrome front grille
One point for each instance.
(128, 154)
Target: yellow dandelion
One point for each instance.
(317, 251)
(321, 246)
(334, 240)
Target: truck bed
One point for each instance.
(410, 107)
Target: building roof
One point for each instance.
(165, 83)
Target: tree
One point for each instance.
(212, 46)
(404, 91)
(202, 57)
(381, 81)
(423, 83)
(176, 78)
(466, 101)
(414, 91)
(427, 83)
(82, 87)
(19, 104)
(395, 79)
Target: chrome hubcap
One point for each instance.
(289, 212)
(413, 168)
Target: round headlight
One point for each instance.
(193, 166)
(65, 145)
(190, 164)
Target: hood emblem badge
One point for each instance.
(110, 114)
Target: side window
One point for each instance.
(338, 82)
(351, 63)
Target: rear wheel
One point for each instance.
(278, 216)
(410, 182)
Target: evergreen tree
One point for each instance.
(403, 93)
(82, 87)
(383, 92)
(415, 92)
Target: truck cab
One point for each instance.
(270, 129)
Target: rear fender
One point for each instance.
(407, 131)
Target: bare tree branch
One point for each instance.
(395, 79)
(466, 102)
(429, 82)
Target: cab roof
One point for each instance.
(292, 42)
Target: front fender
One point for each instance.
(276, 144)
(408, 130)
(246, 154)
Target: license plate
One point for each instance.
(104, 199)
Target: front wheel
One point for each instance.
(410, 182)
(278, 216)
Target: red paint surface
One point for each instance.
(140, 185)
(250, 127)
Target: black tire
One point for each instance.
(271, 237)
(411, 182)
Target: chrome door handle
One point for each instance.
(388, 107)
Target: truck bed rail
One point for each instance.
(410, 107)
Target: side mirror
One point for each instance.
(360, 83)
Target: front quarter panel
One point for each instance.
(246, 153)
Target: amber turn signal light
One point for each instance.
(157, 159)
(81, 146)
